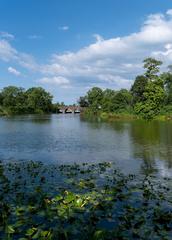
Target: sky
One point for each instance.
(70, 46)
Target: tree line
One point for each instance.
(17, 100)
(150, 94)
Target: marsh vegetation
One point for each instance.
(82, 201)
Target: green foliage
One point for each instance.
(122, 100)
(152, 96)
(95, 97)
(138, 88)
(107, 101)
(146, 98)
(38, 100)
(153, 99)
(167, 78)
(152, 68)
(91, 201)
(14, 100)
(83, 101)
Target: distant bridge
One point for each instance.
(70, 109)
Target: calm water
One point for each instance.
(134, 146)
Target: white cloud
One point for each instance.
(28, 61)
(7, 52)
(64, 28)
(110, 62)
(169, 12)
(117, 60)
(14, 71)
(56, 80)
(6, 35)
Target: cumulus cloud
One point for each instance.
(60, 81)
(110, 62)
(117, 60)
(169, 12)
(9, 53)
(14, 71)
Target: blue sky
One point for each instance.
(69, 46)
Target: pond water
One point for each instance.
(134, 146)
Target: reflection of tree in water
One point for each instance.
(95, 122)
(92, 122)
(41, 119)
(118, 126)
(151, 141)
(166, 143)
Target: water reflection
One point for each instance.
(134, 146)
(152, 143)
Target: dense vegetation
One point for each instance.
(16, 100)
(150, 95)
(86, 201)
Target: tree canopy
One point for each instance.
(16, 100)
(148, 95)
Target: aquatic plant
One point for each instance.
(82, 201)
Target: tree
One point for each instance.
(14, 99)
(167, 77)
(38, 100)
(83, 101)
(138, 88)
(107, 101)
(153, 100)
(153, 94)
(1, 99)
(121, 100)
(95, 96)
(152, 67)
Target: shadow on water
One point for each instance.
(35, 118)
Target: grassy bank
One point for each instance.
(108, 116)
(164, 115)
(86, 201)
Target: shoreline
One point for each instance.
(110, 117)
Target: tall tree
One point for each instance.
(154, 90)
(152, 67)
(138, 88)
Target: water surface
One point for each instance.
(134, 146)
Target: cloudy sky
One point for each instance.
(69, 46)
